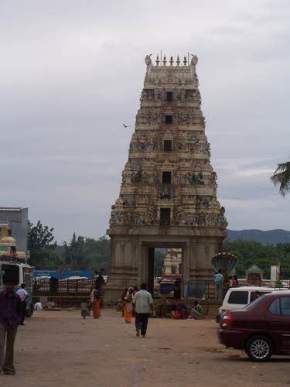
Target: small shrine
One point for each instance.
(8, 245)
(172, 262)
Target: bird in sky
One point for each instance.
(125, 126)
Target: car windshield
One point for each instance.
(256, 302)
(238, 297)
(10, 272)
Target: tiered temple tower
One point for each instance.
(168, 191)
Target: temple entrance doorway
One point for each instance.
(164, 270)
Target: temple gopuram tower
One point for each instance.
(168, 192)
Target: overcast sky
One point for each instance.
(71, 72)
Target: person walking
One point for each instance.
(122, 303)
(95, 301)
(23, 295)
(10, 318)
(99, 286)
(100, 282)
(143, 304)
(128, 306)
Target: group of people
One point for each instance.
(139, 303)
(222, 284)
(13, 303)
(135, 302)
(127, 303)
(182, 312)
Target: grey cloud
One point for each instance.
(71, 72)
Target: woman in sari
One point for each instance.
(128, 306)
(123, 298)
(96, 302)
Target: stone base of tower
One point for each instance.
(133, 255)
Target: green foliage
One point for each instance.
(87, 253)
(253, 253)
(281, 176)
(39, 236)
(45, 259)
(41, 245)
(79, 253)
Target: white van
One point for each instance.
(239, 297)
(20, 273)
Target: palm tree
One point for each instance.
(282, 176)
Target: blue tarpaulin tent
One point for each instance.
(64, 274)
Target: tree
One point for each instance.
(282, 176)
(80, 253)
(40, 237)
(75, 256)
(86, 253)
(254, 253)
(42, 245)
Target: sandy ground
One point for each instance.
(61, 349)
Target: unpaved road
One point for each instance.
(59, 349)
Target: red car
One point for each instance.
(261, 329)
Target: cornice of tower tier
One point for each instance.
(179, 120)
(152, 145)
(197, 129)
(170, 109)
(152, 156)
(181, 231)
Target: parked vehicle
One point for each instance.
(20, 273)
(261, 328)
(13, 264)
(238, 298)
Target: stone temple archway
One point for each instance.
(168, 193)
(147, 274)
(134, 259)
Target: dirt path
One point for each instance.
(59, 349)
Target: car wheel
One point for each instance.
(259, 348)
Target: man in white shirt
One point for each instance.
(143, 304)
(22, 294)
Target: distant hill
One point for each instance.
(271, 237)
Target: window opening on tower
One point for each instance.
(167, 145)
(169, 96)
(165, 216)
(166, 177)
(168, 119)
